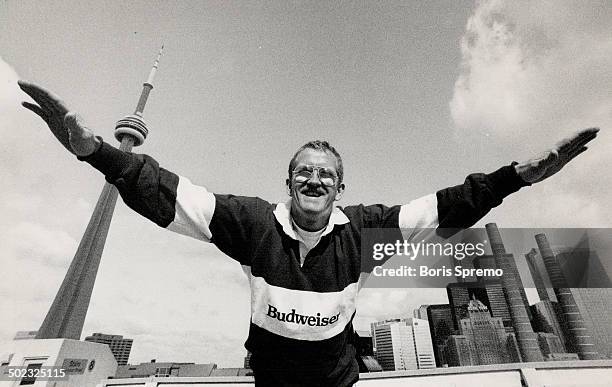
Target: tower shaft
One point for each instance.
(67, 314)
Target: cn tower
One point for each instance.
(66, 316)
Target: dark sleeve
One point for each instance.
(463, 205)
(144, 186)
(238, 225)
(375, 216)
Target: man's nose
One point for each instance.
(315, 179)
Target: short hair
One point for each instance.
(323, 146)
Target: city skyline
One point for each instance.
(457, 86)
(465, 338)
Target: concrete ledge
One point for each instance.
(548, 365)
(587, 373)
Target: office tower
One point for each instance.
(458, 351)
(440, 319)
(119, 346)
(595, 305)
(577, 336)
(423, 343)
(394, 345)
(592, 291)
(515, 297)
(490, 293)
(421, 312)
(497, 304)
(403, 344)
(247, 360)
(550, 343)
(545, 319)
(459, 295)
(67, 314)
(486, 335)
(534, 260)
(512, 348)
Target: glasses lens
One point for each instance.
(326, 176)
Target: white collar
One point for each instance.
(282, 212)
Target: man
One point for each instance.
(303, 257)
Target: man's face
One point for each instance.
(312, 196)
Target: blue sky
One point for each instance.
(415, 95)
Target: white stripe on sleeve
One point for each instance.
(419, 214)
(194, 209)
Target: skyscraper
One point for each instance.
(119, 346)
(594, 304)
(403, 344)
(394, 345)
(550, 343)
(421, 312)
(458, 351)
(247, 360)
(577, 336)
(545, 319)
(486, 335)
(491, 294)
(536, 268)
(440, 319)
(67, 314)
(422, 343)
(515, 297)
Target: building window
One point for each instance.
(29, 380)
(162, 372)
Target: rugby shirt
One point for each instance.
(301, 316)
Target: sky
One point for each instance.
(414, 95)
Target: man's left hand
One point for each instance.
(552, 161)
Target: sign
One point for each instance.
(74, 366)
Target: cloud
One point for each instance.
(35, 242)
(532, 73)
(534, 69)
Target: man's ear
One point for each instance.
(339, 192)
(288, 186)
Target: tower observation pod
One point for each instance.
(132, 130)
(66, 316)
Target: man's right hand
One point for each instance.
(65, 125)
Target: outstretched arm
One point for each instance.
(463, 205)
(169, 200)
(161, 196)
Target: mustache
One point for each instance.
(317, 191)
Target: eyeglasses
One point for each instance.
(303, 173)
